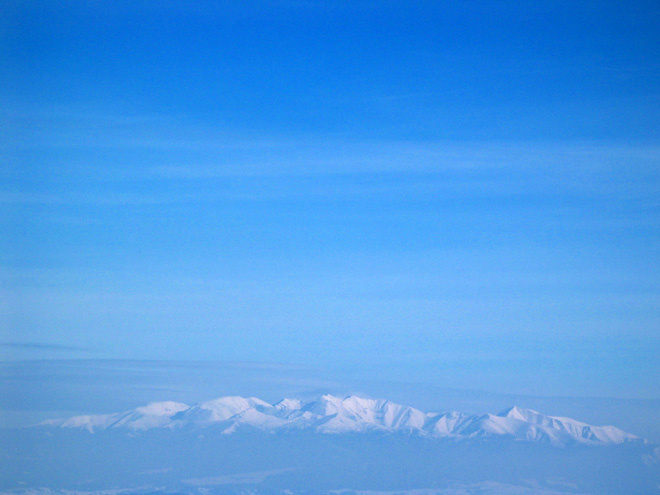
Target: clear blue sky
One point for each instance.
(458, 192)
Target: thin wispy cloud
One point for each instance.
(207, 164)
(43, 346)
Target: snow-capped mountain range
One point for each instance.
(334, 415)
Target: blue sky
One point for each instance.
(461, 192)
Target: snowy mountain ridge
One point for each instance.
(333, 415)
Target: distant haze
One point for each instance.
(39, 390)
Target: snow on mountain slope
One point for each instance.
(492, 425)
(566, 427)
(358, 414)
(445, 424)
(89, 423)
(154, 415)
(352, 414)
(219, 410)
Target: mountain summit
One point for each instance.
(333, 415)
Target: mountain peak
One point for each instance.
(289, 404)
(518, 412)
(166, 408)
